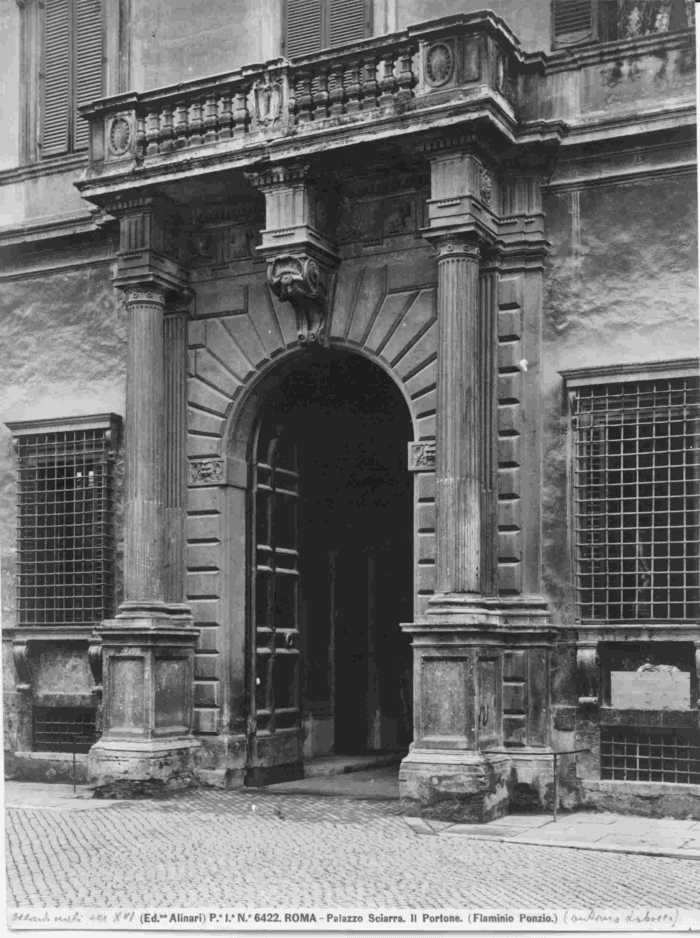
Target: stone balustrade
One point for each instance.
(379, 78)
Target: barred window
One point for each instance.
(65, 521)
(635, 500)
(632, 754)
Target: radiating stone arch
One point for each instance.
(235, 358)
(232, 354)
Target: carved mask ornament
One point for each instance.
(298, 280)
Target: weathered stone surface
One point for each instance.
(618, 288)
(63, 337)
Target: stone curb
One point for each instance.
(677, 853)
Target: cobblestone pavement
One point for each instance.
(227, 849)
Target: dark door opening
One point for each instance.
(351, 553)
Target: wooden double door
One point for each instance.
(330, 670)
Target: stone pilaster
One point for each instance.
(175, 363)
(144, 588)
(458, 420)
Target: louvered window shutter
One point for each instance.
(88, 63)
(348, 21)
(57, 83)
(573, 21)
(303, 27)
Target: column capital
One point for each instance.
(153, 244)
(142, 294)
(280, 175)
(457, 244)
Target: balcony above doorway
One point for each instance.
(415, 90)
(433, 76)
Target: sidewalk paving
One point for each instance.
(582, 830)
(219, 849)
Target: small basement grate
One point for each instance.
(634, 755)
(64, 729)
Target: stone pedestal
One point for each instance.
(146, 744)
(445, 785)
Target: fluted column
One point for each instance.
(144, 590)
(175, 363)
(459, 411)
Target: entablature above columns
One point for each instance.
(153, 246)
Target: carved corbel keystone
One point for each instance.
(300, 280)
(299, 243)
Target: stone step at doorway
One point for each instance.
(380, 782)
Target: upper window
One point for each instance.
(312, 25)
(65, 523)
(577, 21)
(636, 487)
(72, 71)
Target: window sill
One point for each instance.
(48, 633)
(594, 52)
(637, 631)
(44, 756)
(640, 789)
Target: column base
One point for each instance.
(157, 613)
(141, 768)
(462, 609)
(451, 785)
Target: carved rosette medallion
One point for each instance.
(119, 136)
(439, 64)
(421, 456)
(206, 471)
(297, 280)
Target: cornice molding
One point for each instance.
(598, 53)
(631, 371)
(47, 167)
(63, 424)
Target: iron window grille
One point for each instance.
(635, 500)
(65, 523)
(650, 755)
(64, 729)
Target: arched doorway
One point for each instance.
(330, 567)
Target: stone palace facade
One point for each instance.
(350, 396)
